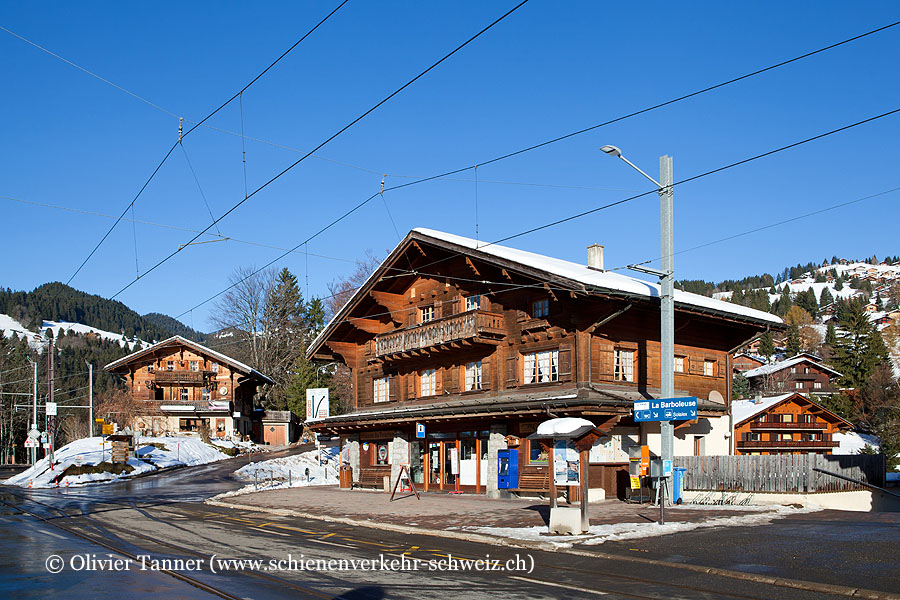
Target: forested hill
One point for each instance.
(176, 327)
(59, 302)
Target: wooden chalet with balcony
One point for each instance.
(185, 386)
(458, 350)
(785, 424)
(801, 374)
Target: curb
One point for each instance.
(798, 584)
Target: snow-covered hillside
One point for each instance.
(36, 339)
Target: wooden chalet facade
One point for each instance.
(785, 424)
(745, 362)
(801, 374)
(186, 385)
(472, 346)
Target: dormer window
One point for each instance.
(170, 365)
(540, 308)
(473, 302)
(426, 313)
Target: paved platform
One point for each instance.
(457, 511)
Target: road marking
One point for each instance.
(296, 529)
(559, 585)
(328, 535)
(56, 535)
(332, 544)
(273, 532)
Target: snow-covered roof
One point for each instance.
(741, 410)
(779, 366)
(564, 427)
(602, 281)
(177, 339)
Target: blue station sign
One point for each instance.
(666, 409)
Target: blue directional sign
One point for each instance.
(420, 430)
(666, 409)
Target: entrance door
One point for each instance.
(434, 466)
(451, 465)
(468, 462)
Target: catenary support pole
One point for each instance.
(667, 300)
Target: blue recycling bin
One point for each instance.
(678, 485)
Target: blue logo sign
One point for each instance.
(420, 430)
(666, 409)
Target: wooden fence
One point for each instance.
(780, 473)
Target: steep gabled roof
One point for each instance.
(744, 410)
(177, 339)
(579, 275)
(780, 366)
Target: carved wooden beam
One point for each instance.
(549, 291)
(347, 350)
(472, 266)
(371, 325)
(506, 274)
(419, 248)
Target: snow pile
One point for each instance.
(153, 453)
(852, 442)
(753, 515)
(9, 326)
(289, 471)
(563, 426)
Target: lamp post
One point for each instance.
(667, 287)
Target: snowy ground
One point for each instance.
(153, 453)
(289, 471)
(753, 515)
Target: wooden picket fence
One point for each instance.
(781, 473)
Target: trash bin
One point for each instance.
(678, 485)
(346, 477)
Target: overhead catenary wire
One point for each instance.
(199, 187)
(571, 217)
(335, 135)
(188, 132)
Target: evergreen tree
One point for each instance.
(793, 340)
(825, 298)
(838, 283)
(860, 348)
(740, 387)
(830, 334)
(767, 345)
(785, 302)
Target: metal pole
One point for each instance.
(50, 435)
(34, 414)
(91, 396)
(667, 300)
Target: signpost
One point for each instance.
(666, 409)
(51, 409)
(317, 407)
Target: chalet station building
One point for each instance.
(458, 350)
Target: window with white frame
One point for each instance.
(185, 395)
(205, 394)
(624, 365)
(170, 365)
(542, 367)
(427, 382)
(793, 369)
(473, 302)
(382, 387)
(798, 385)
(679, 364)
(151, 368)
(473, 376)
(426, 313)
(817, 385)
(214, 367)
(709, 368)
(540, 308)
(195, 366)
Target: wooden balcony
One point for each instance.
(790, 425)
(786, 445)
(181, 378)
(474, 326)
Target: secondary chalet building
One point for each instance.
(460, 349)
(801, 374)
(186, 385)
(785, 424)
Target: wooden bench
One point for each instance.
(538, 483)
(372, 478)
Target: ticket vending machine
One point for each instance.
(507, 469)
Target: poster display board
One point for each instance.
(566, 463)
(613, 448)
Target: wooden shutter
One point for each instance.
(451, 378)
(438, 378)
(485, 303)
(367, 392)
(512, 371)
(411, 390)
(392, 388)
(565, 363)
(448, 306)
(413, 315)
(486, 374)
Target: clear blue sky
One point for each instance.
(71, 140)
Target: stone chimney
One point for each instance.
(595, 257)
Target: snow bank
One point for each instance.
(69, 328)
(626, 531)
(152, 453)
(289, 471)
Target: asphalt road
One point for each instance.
(162, 517)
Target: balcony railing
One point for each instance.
(465, 326)
(793, 444)
(181, 377)
(786, 425)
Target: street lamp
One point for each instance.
(667, 287)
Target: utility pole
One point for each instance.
(50, 427)
(667, 299)
(34, 409)
(90, 398)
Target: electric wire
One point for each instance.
(210, 115)
(332, 137)
(199, 187)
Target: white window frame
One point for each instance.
(473, 376)
(381, 389)
(473, 302)
(709, 368)
(214, 367)
(679, 363)
(170, 365)
(817, 385)
(798, 385)
(151, 368)
(426, 314)
(540, 308)
(623, 369)
(541, 367)
(185, 395)
(195, 365)
(427, 383)
(205, 394)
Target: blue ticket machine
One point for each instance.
(507, 469)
